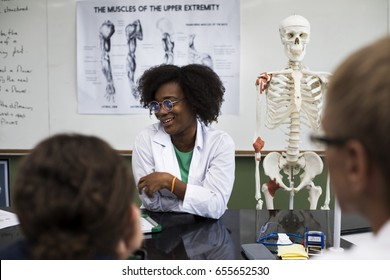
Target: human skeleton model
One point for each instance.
(197, 57)
(165, 27)
(294, 96)
(107, 29)
(133, 33)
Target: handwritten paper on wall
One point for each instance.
(23, 73)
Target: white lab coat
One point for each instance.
(211, 175)
(377, 247)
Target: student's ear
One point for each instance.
(357, 165)
(132, 241)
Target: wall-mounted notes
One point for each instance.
(23, 73)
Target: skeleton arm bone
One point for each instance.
(259, 204)
(258, 144)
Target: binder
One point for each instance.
(257, 251)
(148, 225)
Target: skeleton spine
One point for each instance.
(293, 140)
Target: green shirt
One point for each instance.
(184, 160)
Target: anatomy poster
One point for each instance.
(118, 40)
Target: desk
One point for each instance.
(185, 236)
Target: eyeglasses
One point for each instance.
(328, 141)
(167, 104)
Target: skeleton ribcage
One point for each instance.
(281, 100)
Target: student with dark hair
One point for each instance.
(181, 163)
(73, 196)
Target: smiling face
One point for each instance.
(181, 121)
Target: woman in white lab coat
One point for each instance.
(180, 163)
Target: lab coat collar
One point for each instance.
(199, 135)
(161, 137)
(164, 139)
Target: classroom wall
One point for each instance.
(338, 28)
(47, 35)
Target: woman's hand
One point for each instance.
(155, 181)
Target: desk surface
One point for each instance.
(185, 236)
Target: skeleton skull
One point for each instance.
(295, 34)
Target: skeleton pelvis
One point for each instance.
(308, 162)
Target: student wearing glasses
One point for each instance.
(181, 163)
(357, 123)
